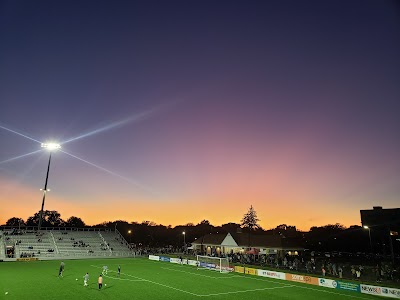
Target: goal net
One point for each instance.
(213, 263)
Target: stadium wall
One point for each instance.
(323, 282)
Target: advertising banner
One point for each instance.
(371, 289)
(175, 260)
(302, 278)
(239, 269)
(208, 265)
(154, 257)
(27, 259)
(348, 286)
(164, 258)
(192, 262)
(329, 283)
(272, 274)
(251, 271)
(390, 292)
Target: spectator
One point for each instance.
(340, 272)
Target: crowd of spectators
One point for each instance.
(322, 266)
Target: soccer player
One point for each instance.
(100, 281)
(119, 270)
(105, 270)
(61, 270)
(85, 279)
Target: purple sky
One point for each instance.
(206, 108)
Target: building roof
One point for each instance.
(244, 240)
(210, 239)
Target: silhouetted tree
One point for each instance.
(230, 227)
(250, 221)
(75, 222)
(51, 218)
(286, 231)
(15, 222)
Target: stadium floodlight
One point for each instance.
(369, 234)
(184, 241)
(51, 147)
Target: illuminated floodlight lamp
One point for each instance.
(51, 146)
(369, 235)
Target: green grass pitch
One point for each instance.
(145, 279)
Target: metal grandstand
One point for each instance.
(61, 243)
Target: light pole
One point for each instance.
(50, 147)
(130, 236)
(369, 234)
(184, 241)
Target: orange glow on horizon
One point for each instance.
(180, 212)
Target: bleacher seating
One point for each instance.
(117, 243)
(2, 249)
(64, 243)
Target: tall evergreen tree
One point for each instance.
(250, 221)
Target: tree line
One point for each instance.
(331, 237)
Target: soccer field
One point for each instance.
(145, 279)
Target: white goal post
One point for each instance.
(220, 264)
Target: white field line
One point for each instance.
(127, 279)
(264, 279)
(251, 277)
(284, 285)
(248, 291)
(330, 292)
(157, 283)
(202, 275)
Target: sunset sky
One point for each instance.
(180, 111)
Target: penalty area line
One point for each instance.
(329, 292)
(157, 283)
(247, 291)
(195, 274)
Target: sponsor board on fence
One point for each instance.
(164, 258)
(239, 269)
(370, 289)
(302, 278)
(192, 262)
(27, 259)
(390, 292)
(271, 274)
(154, 257)
(329, 283)
(208, 265)
(175, 260)
(349, 286)
(251, 271)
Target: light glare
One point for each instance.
(51, 146)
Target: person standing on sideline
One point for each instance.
(340, 272)
(61, 270)
(100, 281)
(119, 270)
(85, 279)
